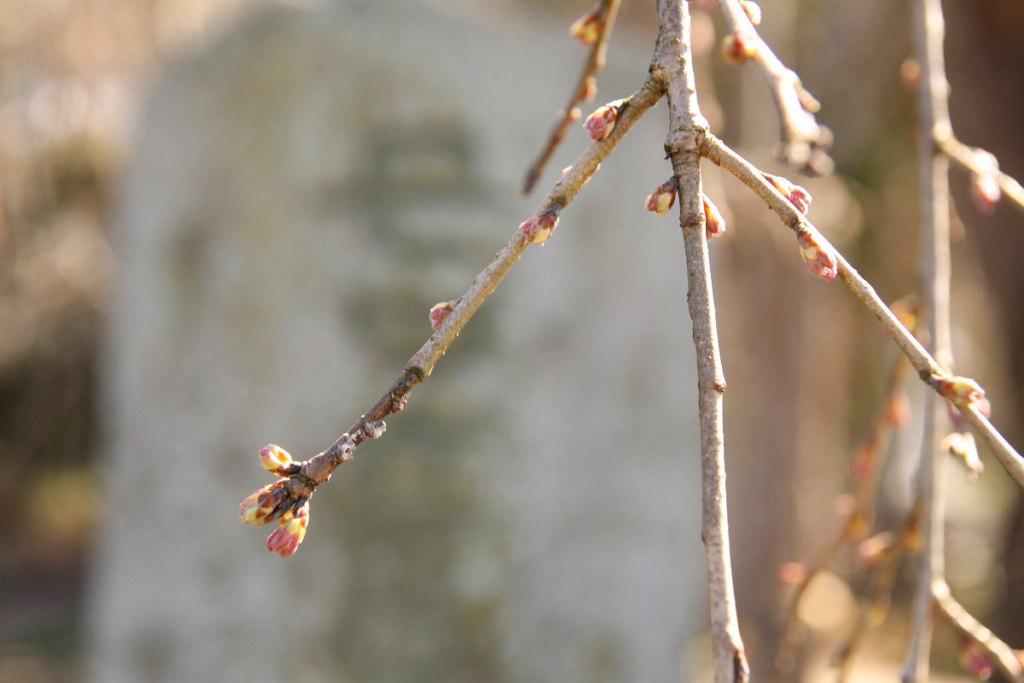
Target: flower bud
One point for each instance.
(985, 192)
(897, 410)
(960, 390)
(602, 122)
(963, 447)
(792, 573)
(738, 47)
(799, 197)
(277, 461)
(587, 29)
(819, 258)
(287, 537)
(877, 550)
(664, 198)
(753, 11)
(264, 505)
(975, 659)
(438, 312)
(539, 228)
(714, 222)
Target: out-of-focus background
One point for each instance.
(222, 223)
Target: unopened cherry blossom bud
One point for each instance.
(753, 11)
(975, 659)
(264, 505)
(714, 220)
(538, 228)
(276, 460)
(738, 47)
(960, 390)
(961, 445)
(799, 197)
(602, 122)
(985, 192)
(877, 550)
(587, 29)
(792, 573)
(438, 312)
(819, 257)
(286, 538)
(664, 198)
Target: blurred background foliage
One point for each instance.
(73, 75)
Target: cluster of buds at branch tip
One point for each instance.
(286, 538)
(278, 461)
(587, 29)
(739, 47)
(664, 198)
(601, 123)
(752, 10)
(875, 551)
(962, 391)
(538, 229)
(714, 221)
(438, 312)
(799, 197)
(819, 257)
(961, 445)
(975, 659)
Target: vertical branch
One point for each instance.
(935, 274)
(674, 67)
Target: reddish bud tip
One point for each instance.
(818, 256)
(792, 573)
(587, 29)
(975, 660)
(960, 390)
(738, 47)
(664, 198)
(799, 197)
(753, 11)
(985, 192)
(538, 229)
(438, 312)
(286, 538)
(602, 122)
(714, 220)
(276, 460)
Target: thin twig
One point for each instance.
(803, 139)
(1006, 658)
(585, 89)
(673, 64)
(318, 469)
(978, 161)
(933, 115)
(927, 368)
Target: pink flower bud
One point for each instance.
(286, 538)
(819, 258)
(975, 660)
(714, 222)
(264, 505)
(799, 197)
(439, 312)
(602, 122)
(960, 390)
(277, 461)
(875, 551)
(664, 198)
(738, 47)
(792, 573)
(753, 11)
(985, 192)
(588, 28)
(539, 228)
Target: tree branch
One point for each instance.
(1006, 658)
(673, 65)
(979, 162)
(803, 139)
(586, 87)
(930, 372)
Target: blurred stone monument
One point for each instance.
(303, 191)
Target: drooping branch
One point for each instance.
(983, 168)
(598, 25)
(930, 372)
(1006, 658)
(673, 65)
(803, 140)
